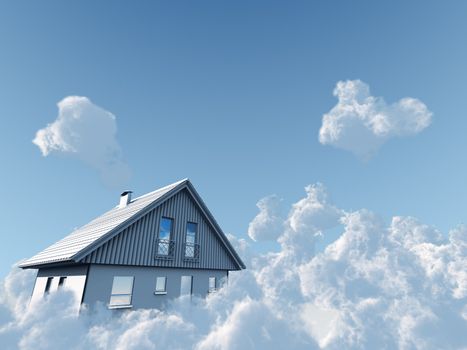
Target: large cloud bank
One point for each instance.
(378, 286)
(361, 123)
(87, 132)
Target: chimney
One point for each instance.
(125, 198)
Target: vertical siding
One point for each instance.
(136, 245)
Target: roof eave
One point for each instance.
(46, 264)
(212, 220)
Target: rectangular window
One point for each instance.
(61, 282)
(212, 284)
(165, 232)
(48, 284)
(190, 239)
(161, 285)
(122, 289)
(186, 285)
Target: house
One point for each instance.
(140, 254)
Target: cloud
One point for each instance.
(378, 286)
(315, 212)
(361, 123)
(399, 286)
(308, 219)
(231, 319)
(251, 324)
(267, 225)
(87, 132)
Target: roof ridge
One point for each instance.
(175, 184)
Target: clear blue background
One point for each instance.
(231, 95)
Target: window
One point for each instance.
(61, 282)
(190, 240)
(122, 289)
(212, 284)
(165, 231)
(186, 285)
(48, 284)
(161, 285)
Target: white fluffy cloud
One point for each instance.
(401, 286)
(361, 123)
(378, 286)
(314, 213)
(267, 225)
(87, 132)
(237, 318)
(308, 218)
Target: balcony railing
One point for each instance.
(191, 251)
(165, 249)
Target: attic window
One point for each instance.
(191, 247)
(164, 242)
(122, 290)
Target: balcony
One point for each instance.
(191, 251)
(165, 249)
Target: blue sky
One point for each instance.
(230, 94)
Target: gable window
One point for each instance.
(212, 285)
(191, 248)
(164, 244)
(122, 290)
(161, 285)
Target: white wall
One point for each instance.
(39, 287)
(72, 283)
(76, 285)
(75, 282)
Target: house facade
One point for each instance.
(140, 254)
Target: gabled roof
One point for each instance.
(92, 235)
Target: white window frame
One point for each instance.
(164, 291)
(121, 306)
(212, 288)
(192, 245)
(186, 278)
(165, 241)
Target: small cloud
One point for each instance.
(308, 219)
(87, 132)
(267, 225)
(361, 123)
(314, 212)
